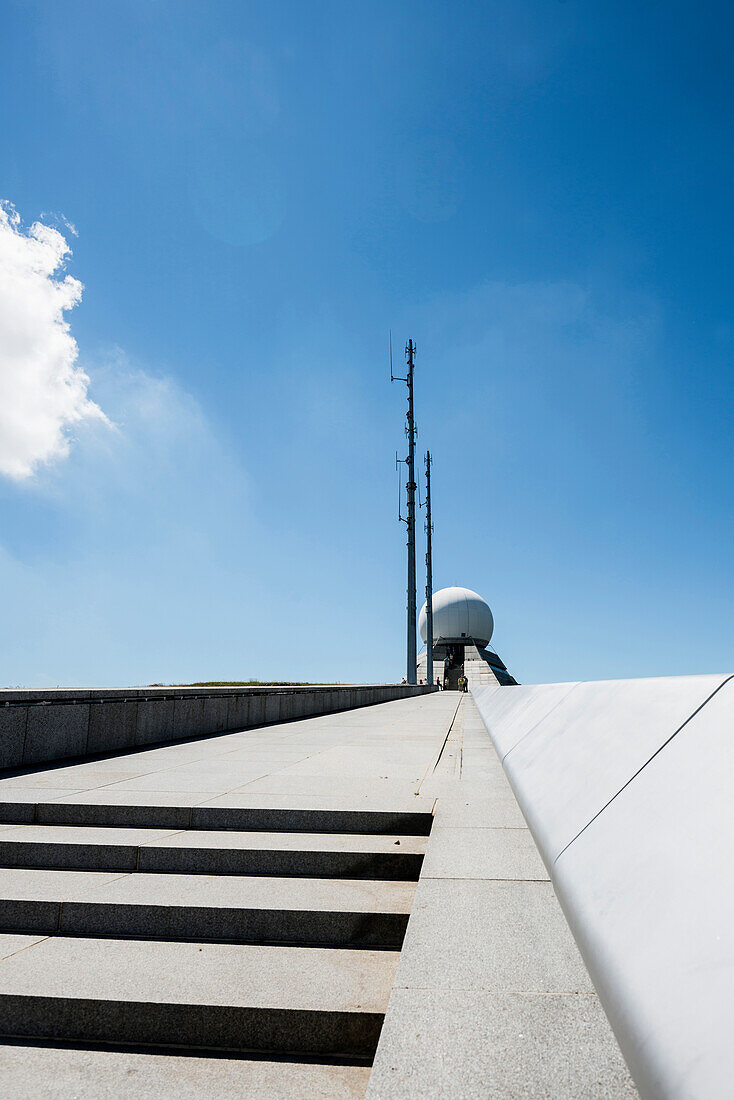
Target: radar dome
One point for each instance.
(458, 613)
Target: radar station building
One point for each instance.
(463, 625)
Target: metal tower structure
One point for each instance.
(410, 431)
(429, 574)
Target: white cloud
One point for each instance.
(43, 391)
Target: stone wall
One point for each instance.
(40, 726)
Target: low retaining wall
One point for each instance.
(40, 726)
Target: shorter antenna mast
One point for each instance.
(429, 574)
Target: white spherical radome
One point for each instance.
(458, 613)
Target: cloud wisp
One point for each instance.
(43, 391)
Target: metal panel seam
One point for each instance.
(643, 766)
(547, 713)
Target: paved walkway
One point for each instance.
(491, 997)
(376, 757)
(247, 896)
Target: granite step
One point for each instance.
(53, 1071)
(242, 818)
(323, 855)
(325, 1002)
(247, 909)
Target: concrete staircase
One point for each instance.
(262, 944)
(483, 668)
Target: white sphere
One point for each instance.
(458, 613)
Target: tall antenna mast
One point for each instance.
(429, 575)
(410, 486)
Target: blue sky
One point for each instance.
(538, 193)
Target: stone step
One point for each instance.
(51, 1072)
(324, 855)
(243, 818)
(247, 909)
(218, 997)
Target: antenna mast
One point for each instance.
(410, 517)
(429, 575)
(410, 486)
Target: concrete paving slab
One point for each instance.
(222, 996)
(498, 811)
(491, 777)
(490, 935)
(467, 783)
(283, 842)
(17, 789)
(473, 766)
(129, 763)
(52, 778)
(192, 779)
(13, 791)
(320, 895)
(508, 1045)
(57, 1073)
(80, 834)
(44, 885)
(97, 777)
(483, 854)
(13, 943)
(480, 752)
(102, 797)
(361, 762)
(313, 786)
(168, 756)
(272, 753)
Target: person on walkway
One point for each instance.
(438, 683)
